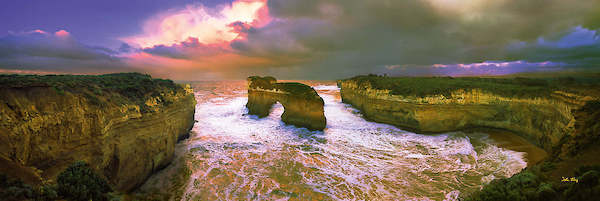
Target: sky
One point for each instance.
(299, 39)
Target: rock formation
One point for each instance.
(303, 107)
(124, 125)
(546, 118)
(558, 114)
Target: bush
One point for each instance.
(80, 182)
(529, 184)
(588, 187)
(14, 189)
(47, 193)
(523, 186)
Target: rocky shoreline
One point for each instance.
(556, 115)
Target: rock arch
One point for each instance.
(302, 105)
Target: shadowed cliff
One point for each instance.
(124, 125)
(303, 107)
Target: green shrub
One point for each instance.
(47, 193)
(588, 185)
(12, 189)
(80, 182)
(529, 184)
(523, 186)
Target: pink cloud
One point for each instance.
(62, 33)
(38, 31)
(195, 21)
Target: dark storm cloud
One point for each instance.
(578, 46)
(352, 35)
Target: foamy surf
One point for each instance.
(239, 156)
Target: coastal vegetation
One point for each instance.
(117, 87)
(533, 184)
(297, 89)
(508, 87)
(78, 182)
(271, 83)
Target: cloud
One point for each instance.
(496, 68)
(207, 25)
(356, 36)
(578, 36)
(189, 49)
(62, 34)
(196, 40)
(577, 46)
(55, 52)
(330, 39)
(474, 69)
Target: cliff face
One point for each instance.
(125, 137)
(302, 105)
(548, 121)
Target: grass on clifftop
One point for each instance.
(132, 87)
(297, 89)
(294, 88)
(508, 87)
(262, 82)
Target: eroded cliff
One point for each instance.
(303, 107)
(545, 115)
(558, 114)
(124, 125)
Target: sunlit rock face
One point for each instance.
(303, 107)
(43, 130)
(549, 122)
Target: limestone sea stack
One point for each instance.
(124, 125)
(302, 105)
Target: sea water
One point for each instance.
(236, 156)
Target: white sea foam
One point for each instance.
(352, 159)
(326, 87)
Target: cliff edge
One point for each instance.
(124, 125)
(303, 107)
(536, 109)
(559, 115)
